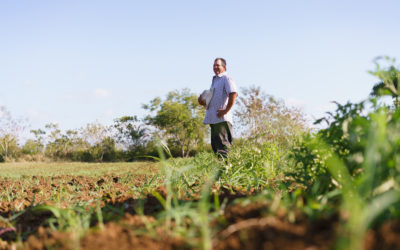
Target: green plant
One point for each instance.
(179, 120)
(75, 219)
(252, 164)
(368, 194)
(389, 79)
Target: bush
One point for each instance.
(348, 136)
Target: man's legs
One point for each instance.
(221, 137)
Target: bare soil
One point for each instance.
(250, 226)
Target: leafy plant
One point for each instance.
(179, 120)
(363, 200)
(390, 78)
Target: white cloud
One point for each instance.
(101, 93)
(28, 83)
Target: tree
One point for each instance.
(38, 142)
(10, 128)
(8, 147)
(53, 136)
(130, 133)
(64, 146)
(53, 131)
(99, 141)
(263, 117)
(178, 119)
(105, 150)
(94, 133)
(91, 143)
(31, 147)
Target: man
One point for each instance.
(218, 114)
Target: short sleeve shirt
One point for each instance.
(223, 85)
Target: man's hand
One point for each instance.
(231, 101)
(221, 113)
(201, 102)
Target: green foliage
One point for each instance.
(63, 146)
(9, 148)
(179, 120)
(32, 147)
(39, 138)
(309, 165)
(249, 165)
(366, 195)
(90, 144)
(104, 151)
(357, 155)
(76, 219)
(389, 77)
(348, 137)
(130, 133)
(345, 134)
(252, 164)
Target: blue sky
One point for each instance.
(75, 62)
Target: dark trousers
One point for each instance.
(221, 137)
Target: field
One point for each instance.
(195, 203)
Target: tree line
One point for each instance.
(174, 121)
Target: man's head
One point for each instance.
(219, 66)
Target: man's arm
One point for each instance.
(231, 101)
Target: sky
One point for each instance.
(77, 62)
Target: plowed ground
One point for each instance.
(241, 226)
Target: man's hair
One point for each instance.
(222, 60)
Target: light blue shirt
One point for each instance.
(223, 85)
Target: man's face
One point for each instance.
(218, 67)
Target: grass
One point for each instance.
(191, 178)
(19, 169)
